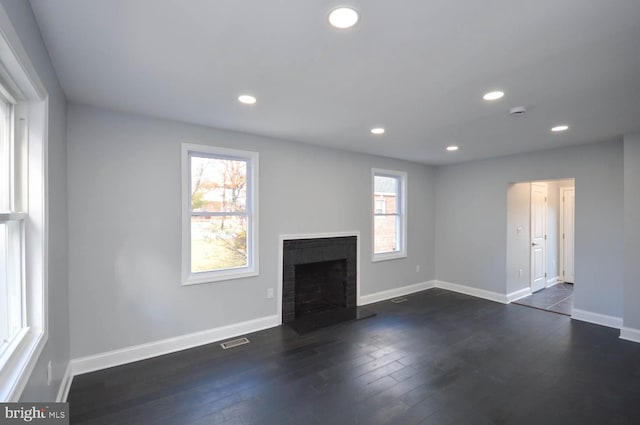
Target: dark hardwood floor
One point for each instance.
(439, 358)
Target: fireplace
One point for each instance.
(319, 281)
(320, 286)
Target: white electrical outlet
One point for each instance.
(270, 293)
(520, 272)
(418, 268)
(49, 373)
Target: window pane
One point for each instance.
(218, 185)
(387, 188)
(218, 243)
(5, 157)
(386, 184)
(386, 233)
(10, 282)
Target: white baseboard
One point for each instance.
(553, 281)
(630, 334)
(474, 292)
(65, 385)
(597, 318)
(516, 295)
(395, 292)
(170, 345)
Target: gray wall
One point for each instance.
(632, 231)
(518, 236)
(471, 208)
(124, 210)
(57, 347)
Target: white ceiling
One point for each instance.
(418, 68)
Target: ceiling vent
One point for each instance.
(517, 111)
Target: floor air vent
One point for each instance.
(398, 300)
(234, 343)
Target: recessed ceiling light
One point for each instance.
(247, 99)
(493, 95)
(377, 130)
(452, 148)
(558, 128)
(343, 17)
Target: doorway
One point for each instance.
(538, 252)
(567, 232)
(540, 244)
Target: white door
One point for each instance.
(538, 236)
(567, 240)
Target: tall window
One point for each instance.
(12, 218)
(220, 213)
(23, 215)
(389, 217)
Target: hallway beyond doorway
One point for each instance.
(558, 299)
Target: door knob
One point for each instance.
(534, 244)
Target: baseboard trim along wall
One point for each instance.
(157, 348)
(170, 345)
(597, 318)
(65, 385)
(516, 295)
(122, 356)
(474, 292)
(630, 334)
(395, 292)
(454, 287)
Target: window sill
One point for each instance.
(19, 362)
(198, 278)
(388, 256)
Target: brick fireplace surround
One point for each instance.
(329, 264)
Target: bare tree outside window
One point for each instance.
(219, 220)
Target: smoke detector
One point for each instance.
(517, 111)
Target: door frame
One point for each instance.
(561, 230)
(531, 229)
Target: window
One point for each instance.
(389, 217)
(11, 230)
(220, 213)
(23, 220)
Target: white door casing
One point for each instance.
(567, 233)
(538, 236)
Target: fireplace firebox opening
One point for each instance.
(319, 282)
(320, 286)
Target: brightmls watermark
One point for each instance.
(34, 413)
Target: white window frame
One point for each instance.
(189, 278)
(24, 88)
(401, 206)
